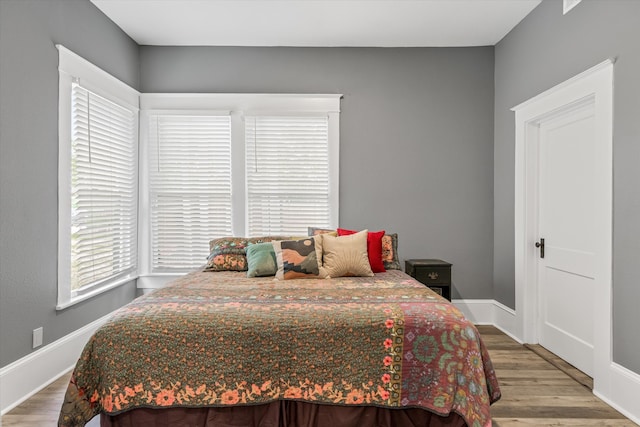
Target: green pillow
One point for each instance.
(261, 260)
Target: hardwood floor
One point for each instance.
(537, 393)
(534, 393)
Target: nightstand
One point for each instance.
(434, 273)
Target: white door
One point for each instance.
(566, 185)
(563, 193)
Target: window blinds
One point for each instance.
(103, 189)
(189, 187)
(287, 174)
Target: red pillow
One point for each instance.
(374, 248)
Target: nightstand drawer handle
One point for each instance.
(433, 275)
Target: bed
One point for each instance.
(222, 349)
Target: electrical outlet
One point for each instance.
(37, 337)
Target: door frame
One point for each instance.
(593, 85)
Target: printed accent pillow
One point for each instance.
(261, 260)
(374, 248)
(346, 255)
(227, 254)
(297, 259)
(390, 252)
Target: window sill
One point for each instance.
(94, 292)
(157, 280)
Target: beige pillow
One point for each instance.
(346, 255)
(319, 238)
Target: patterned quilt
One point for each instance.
(219, 338)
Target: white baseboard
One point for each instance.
(505, 320)
(479, 311)
(25, 377)
(489, 312)
(621, 392)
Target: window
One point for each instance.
(211, 165)
(234, 164)
(287, 173)
(98, 186)
(189, 187)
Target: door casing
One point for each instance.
(593, 85)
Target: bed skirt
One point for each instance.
(281, 414)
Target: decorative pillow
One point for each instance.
(268, 239)
(316, 231)
(227, 254)
(346, 255)
(390, 252)
(261, 260)
(296, 259)
(374, 248)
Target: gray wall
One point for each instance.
(545, 49)
(29, 161)
(416, 137)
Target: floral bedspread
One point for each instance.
(219, 338)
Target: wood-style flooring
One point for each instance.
(534, 392)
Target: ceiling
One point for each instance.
(384, 23)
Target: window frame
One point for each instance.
(75, 69)
(237, 106)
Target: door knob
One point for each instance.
(540, 245)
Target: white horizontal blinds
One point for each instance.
(103, 189)
(287, 173)
(189, 187)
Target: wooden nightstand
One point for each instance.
(434, 273)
